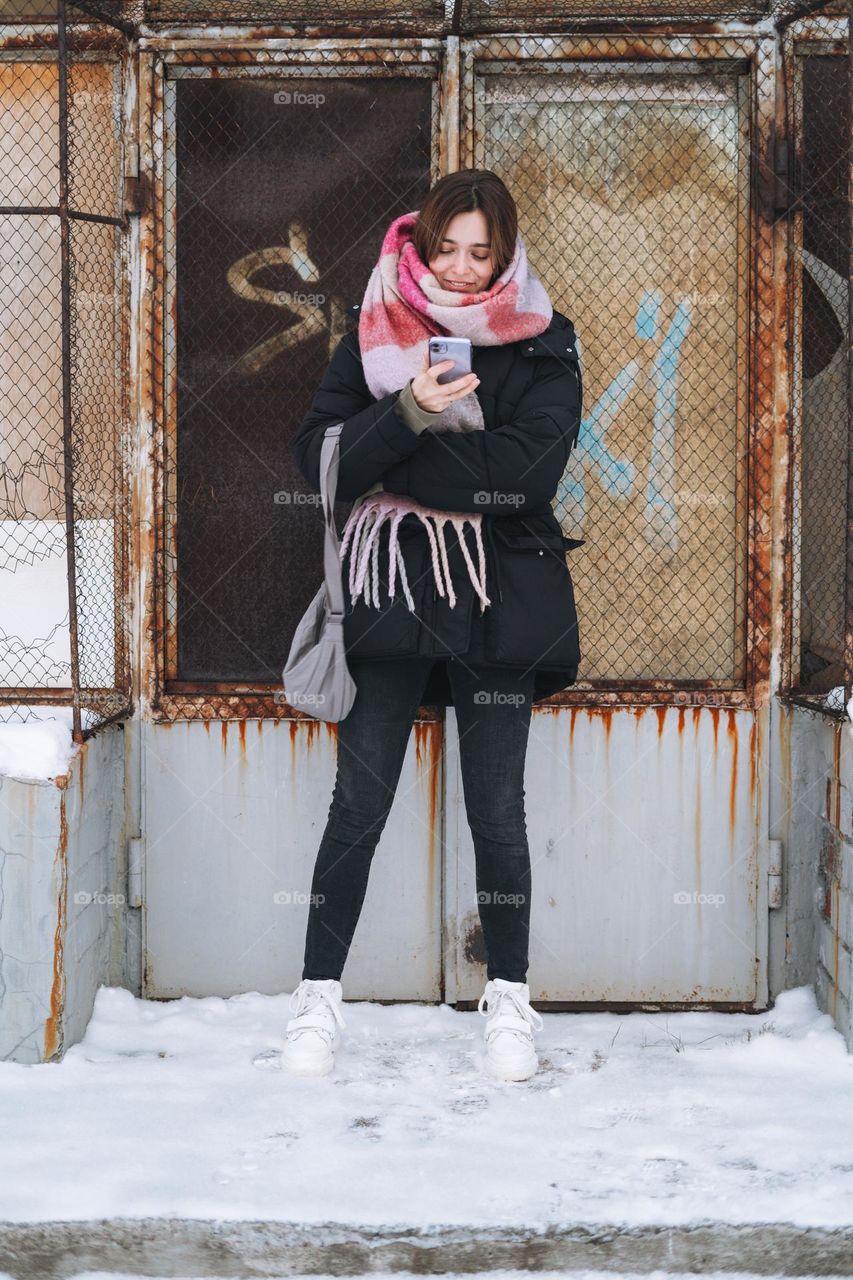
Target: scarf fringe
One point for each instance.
(360, 539)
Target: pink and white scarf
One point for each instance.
(404, 306)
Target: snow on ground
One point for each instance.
(481, 1275)
(180, 1108)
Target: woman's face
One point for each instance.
(463, 263)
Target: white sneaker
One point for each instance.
(313, 1033)
(508, 1034)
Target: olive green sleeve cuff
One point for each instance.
(407, 408)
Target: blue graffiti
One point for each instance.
(618, 476)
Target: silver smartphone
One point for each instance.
(456, 349)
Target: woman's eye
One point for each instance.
(445, 252)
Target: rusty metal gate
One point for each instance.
(633, 163)
(654, 172)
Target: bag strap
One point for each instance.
(329, 460)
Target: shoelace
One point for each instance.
(518, 1022)
(312, 1000)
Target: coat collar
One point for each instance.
(557, 340)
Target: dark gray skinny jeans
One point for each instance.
(493, 708)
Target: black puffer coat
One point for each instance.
(531, 396)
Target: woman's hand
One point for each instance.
(433, 395)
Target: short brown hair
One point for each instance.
(460, 193)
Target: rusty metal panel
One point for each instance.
(647, 855)
(234, 815)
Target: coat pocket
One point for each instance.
(536, 621)
(557, 542)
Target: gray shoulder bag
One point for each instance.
(316, 676)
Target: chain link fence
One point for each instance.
(639, 191)
(818, 82)
(259, 305)
(641, 164)
(63, 505)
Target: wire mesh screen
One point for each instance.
(633, 183)
(63, 501)
(34, 650)
(820, 254)
(278, 192)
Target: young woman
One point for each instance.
(457, 586)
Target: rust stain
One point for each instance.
(99, 37)
(731, 730)
(428, 741)
(449, 141)
(660, 712)
(223, 734)
(764, 413)
(311, 726)
(81, 765)
(53, 1023)
(241, 738)
(605, 714)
